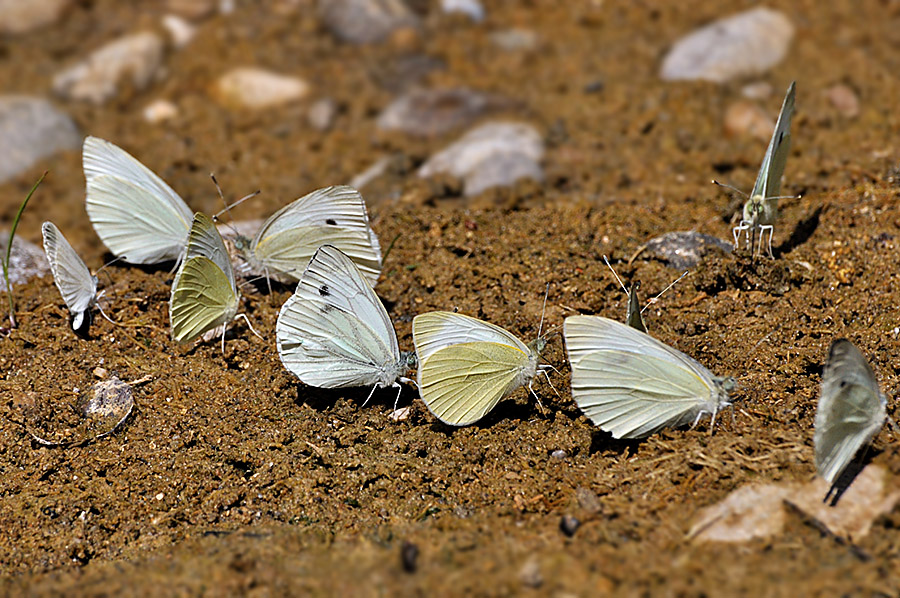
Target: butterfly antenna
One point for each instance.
(249, 325)
(611, 269)
(543, 310)
(735, 189)
(672, 284)
(109, 263)
(222, 197)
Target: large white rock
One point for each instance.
(741, 45)
(491, 155)
(136, 58)
(31, 129)
(255, 88)
(26, 260)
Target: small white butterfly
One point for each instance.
(204, 294)
(467, 366)
(333, 332)
(632, 385)
(135, 213)
(288, 239)
(851, 409)
(761, 209)
(75, 282)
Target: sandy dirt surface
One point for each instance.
(231, 477)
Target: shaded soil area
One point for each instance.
(232, 477)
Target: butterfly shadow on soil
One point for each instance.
(801, 233)
(848, 476)
(604, 441)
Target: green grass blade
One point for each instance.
(12, 235)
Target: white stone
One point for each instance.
(493, 154)
(159, 111)
(180, 31)
(742, 45)
(26, 260)
(365, 21)
(256, 88)
(136, 57)
(471, 8)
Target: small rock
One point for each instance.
(365, 21)
(587, 500)
(24, 16)
(136, 57)
(192, 9)
(431, 112)
(753, 511)
(109, 403)
(515, 39)
(32, 129)
(100, 372)
(258, 89)
(844, 99)
(409, 556)
(399, 415)
(321, 114)
(371, 173)
(559, 454)
(470, 8)
(26, 260)
(180, 31)
(569, 525)
(493, 154)
(530, 573)
(745, 44)
(158, 111)
(684, 249)
(757, 91)
(747, 119)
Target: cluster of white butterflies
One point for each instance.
(334, 332)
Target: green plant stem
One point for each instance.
(12, 235)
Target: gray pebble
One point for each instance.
(26, 261)
(365, 21)
(432, 112)
(31, 129)
(685, 249)
(493, 154)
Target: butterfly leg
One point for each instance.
(743, 226)
(370, 395)
(762, 230)
(543, 369)
(249, 325)
(399, 390)
(224, 329)
(537, 398)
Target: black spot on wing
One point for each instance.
(324, 290)
(331, 221)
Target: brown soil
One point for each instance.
(231, 477)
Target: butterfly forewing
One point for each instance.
(631, 384)
(330, 216)
(135, 213)
(334, 332)
(768, 180)
(72, 277)
(850, 412)
(203, 294)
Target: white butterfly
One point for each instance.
(850, 412)
(333, 332)
(288, 239)
(204, 294)
(467, 366)
(135, 213)
(631, 384)
(761, 209)
(75, 282)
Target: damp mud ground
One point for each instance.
(231, 477)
